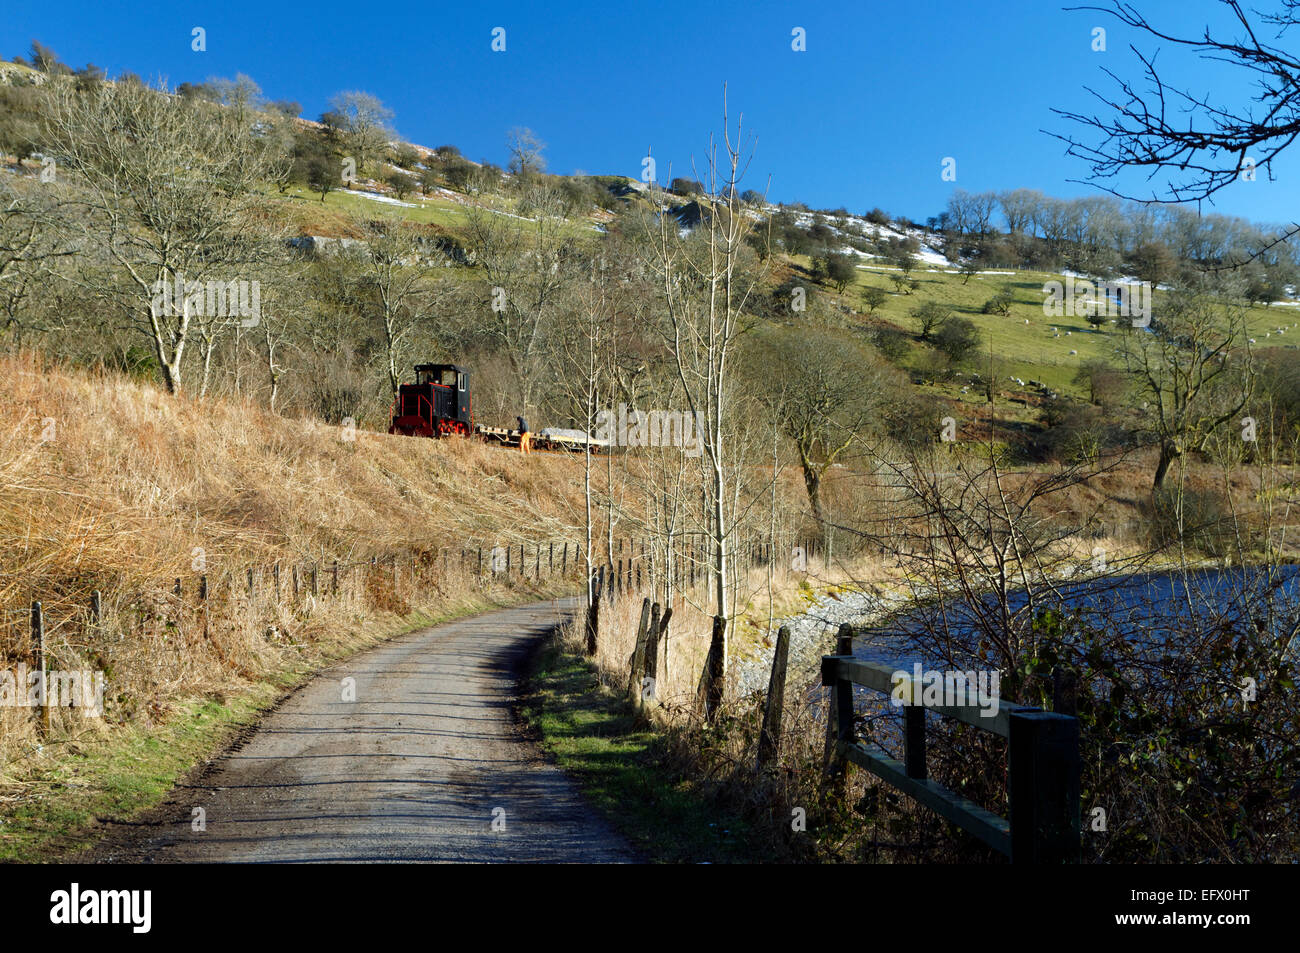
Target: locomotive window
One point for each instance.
(460, 381)
(448, 378)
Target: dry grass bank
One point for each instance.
(109, 484)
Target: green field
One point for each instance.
(1023, 341)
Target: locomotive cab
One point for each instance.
(436, 405)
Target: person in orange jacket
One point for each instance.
(525, 438)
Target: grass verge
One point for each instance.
(625, 768)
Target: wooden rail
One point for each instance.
(1042, 770)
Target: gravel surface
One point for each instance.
(812, 635)
(417, 768)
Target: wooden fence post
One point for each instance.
(638, 656)
(839, 713)
(914, 742)
(96, 607)
(769, 739)
(564, 562)
(315, 589)
(658, 627)
(714, 669)
(295, 582)
(203, 602)
(275, 575)
(1043, 784)
(38, 640)
(1065, 691)
(593, 609)
(334, 581)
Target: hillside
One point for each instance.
(108, 484)
(1006, 443)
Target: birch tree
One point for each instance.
(397, 287)
(704, 286)
(172, 191)
(523, 261)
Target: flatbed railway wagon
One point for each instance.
(439, 404)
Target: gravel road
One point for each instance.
(427, 764)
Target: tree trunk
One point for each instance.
(812, 481)
(1169, 452)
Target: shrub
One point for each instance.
(406, 155)
(893, 343)
(837, 268)
(458, 172)
(956, 338)
(873, 297)
(1206, 519)
(1000, 303)
(931, 316)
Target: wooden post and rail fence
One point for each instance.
(1043, 767)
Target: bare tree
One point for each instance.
(526, 266)
(172, 195)
(240, 94)
(1018, 208)
(704, 290)
(583, 340)
(525, 152)
(29, 243)
(827, 395)
(394, 286)
(1195, 367)
(1199, 146)
(363, 124)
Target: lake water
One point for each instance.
(1146, 608)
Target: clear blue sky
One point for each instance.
(862, 118)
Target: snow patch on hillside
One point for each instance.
(386, 199)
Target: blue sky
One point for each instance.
(863, 117)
